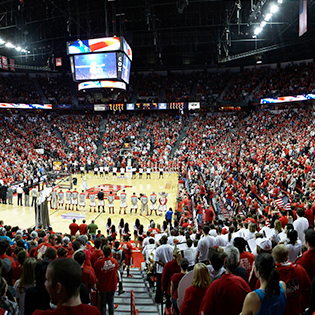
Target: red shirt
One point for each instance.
(82, 229)
(229, 290)
(88, 277)
(96, 254)
(307, 260)
(284, 221)
(106, 273)
(192, 301)
(73, 228)
(83, 309)
(127, 248)
(209, 214)
(175, 279)
(246, 261)
(169, 270)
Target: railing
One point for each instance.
(134, 311)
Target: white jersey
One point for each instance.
(82, 198)
(114, 169)
(101, 169)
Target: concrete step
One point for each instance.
(136, 289)
(138, 295)
(133, 285)
(139, 301)
(143, 309)
(118, 312)
(134, 278)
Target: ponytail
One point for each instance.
(231, 230)
(273, 287)
(266, 266)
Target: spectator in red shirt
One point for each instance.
(127, 248)
(106, 273)
(83, 228)
(74, 227)
(169, 270)
(209, 215)
(97, 253)
(194, 294)
(283, 219)
(307, 260)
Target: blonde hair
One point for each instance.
(278, 226)
(201, 277)
(28, 274)
(177, 255)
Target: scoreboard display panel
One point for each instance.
(107, 58)
(144, 106)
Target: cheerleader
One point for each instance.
(135, 231)
(121, 226)
(141, 235)
(108, 225)
(112, 233)
(125, 231)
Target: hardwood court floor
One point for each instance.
(24, 217)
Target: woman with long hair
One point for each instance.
(271, 296)
(140, 235)
(277, 229)
(108, 225)
(27, 280)
(293, 244)
(136, 227)
(120, 228)
(125, 231)
(195, 293)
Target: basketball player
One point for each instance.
(61, 199)
(75, 195)
(68, 200)
(114, 171)
(101, 171)
(53, 203)
(153, 203)
(95, 170)
(122, 172)
(110, 199)
(82, 198)
(123, 201)
(100, 197)
(106, 169)
(134, 203)
(148, 172)
(140, 172)
(92, 198)
(144, 204)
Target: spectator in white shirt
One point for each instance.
(300, 224)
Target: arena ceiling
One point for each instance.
(164, 34)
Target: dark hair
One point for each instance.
(126, 228)
(231, 231)
(79, 257)
(206, 229)
(76, 245)
(310, 237)
(116, 244)
(4, 245)
(109, 221)
(266, 266)
(216, 258)
(137, 223)
(189, 242)
(97, 243)
(62, 252)
(106, 250)
(151, 241)
(50, 253)
(141, 229)
(292, 236)
(184, 263)
(121, 223)
(240, 244)
(21, 257)
(300, 212)
(68, 273)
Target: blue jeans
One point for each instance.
(107, 298)
(199, 219)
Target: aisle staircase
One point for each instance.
(143, 295)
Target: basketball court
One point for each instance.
(24, 217)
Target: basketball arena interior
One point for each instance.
(157, 157)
